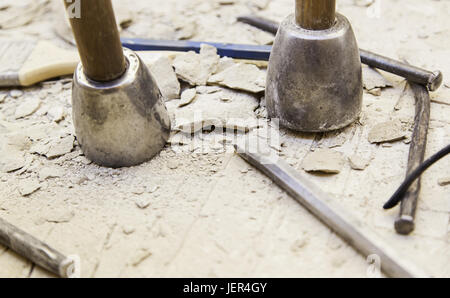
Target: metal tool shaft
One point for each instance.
(98, 41)
(432, 80)
(405, 222)
(35, 250)
(352, 230)
(315, 14)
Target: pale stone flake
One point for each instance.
(187, 97)
(27, 108)
(357, 162)
(61, 147)
(324, 160)
(386, 132)
(241, 76)
(27, 187)
(165, 77)
(197, 68)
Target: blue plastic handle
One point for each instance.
(237, 51)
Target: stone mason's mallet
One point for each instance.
(314, 79)
(118, 111)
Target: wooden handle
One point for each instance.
(98, 40)
(34, 250)
(315, 14)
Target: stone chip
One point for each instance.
(387, 132)
(324, 160)
(27, 108)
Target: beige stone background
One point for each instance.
(210, 214)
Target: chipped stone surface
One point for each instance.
(60, 147)
(128, 230)
(375, 91)
(49, 172)
(142, 202)
(56, 113)
(165, 77)
(246, 77)
(27, 108)
(187, 97)
(387, 132)
(357, 162)
(13, 163)
(324, 160)
(27, 187)
(197, 68)
(59, 217)
(372, 79)
(16, 93)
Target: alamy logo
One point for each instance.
(74, 9)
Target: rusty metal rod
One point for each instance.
(315, 14)
(432, 80)
(98, 40)
(35, 250)
(404, 224)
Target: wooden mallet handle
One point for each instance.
(98, 40)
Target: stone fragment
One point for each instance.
(324, 160)
(142, 203)
(27, 108)
(197, 68)
(187, 97)
(373, 79)
(40, 148)
(56, 113)
(387, 132)
(49, 172)
(13, 163)
(357, 162)
(208, 89)
(27, 187)
(172, 164)
(61, 147)
(375, 91)
(16, 93)
(245, 77)
(128, 230)
(224, 63)
(165, 77)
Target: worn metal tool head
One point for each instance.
(314, 81)
(118, 111)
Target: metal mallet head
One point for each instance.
(314, 80)
(118, 111)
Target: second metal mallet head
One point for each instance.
(314, 80)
